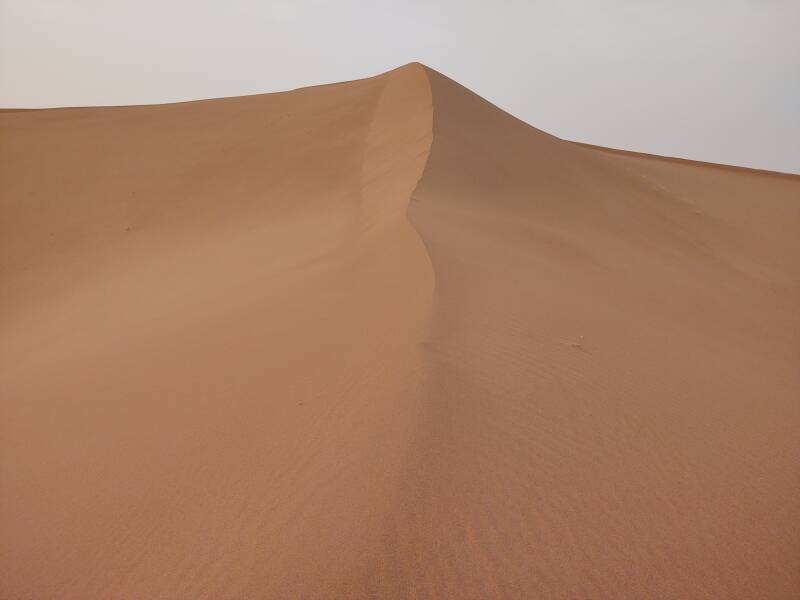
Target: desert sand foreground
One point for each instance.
(380, 339)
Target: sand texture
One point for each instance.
(380, 339)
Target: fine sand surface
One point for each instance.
(380, 339)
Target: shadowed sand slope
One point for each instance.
(380, 339)
(612, 382)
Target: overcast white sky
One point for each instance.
(715, 80)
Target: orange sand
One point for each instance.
(380, 339)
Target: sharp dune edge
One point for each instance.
(380, 339)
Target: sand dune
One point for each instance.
(380, 339)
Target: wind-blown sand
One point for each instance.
(380, 339)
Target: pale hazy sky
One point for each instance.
(715, 80)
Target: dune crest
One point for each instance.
(380, 339)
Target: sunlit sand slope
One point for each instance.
(212, 314)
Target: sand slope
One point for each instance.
(381, 339)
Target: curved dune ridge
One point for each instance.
(380, 339)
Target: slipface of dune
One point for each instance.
(380, 339)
